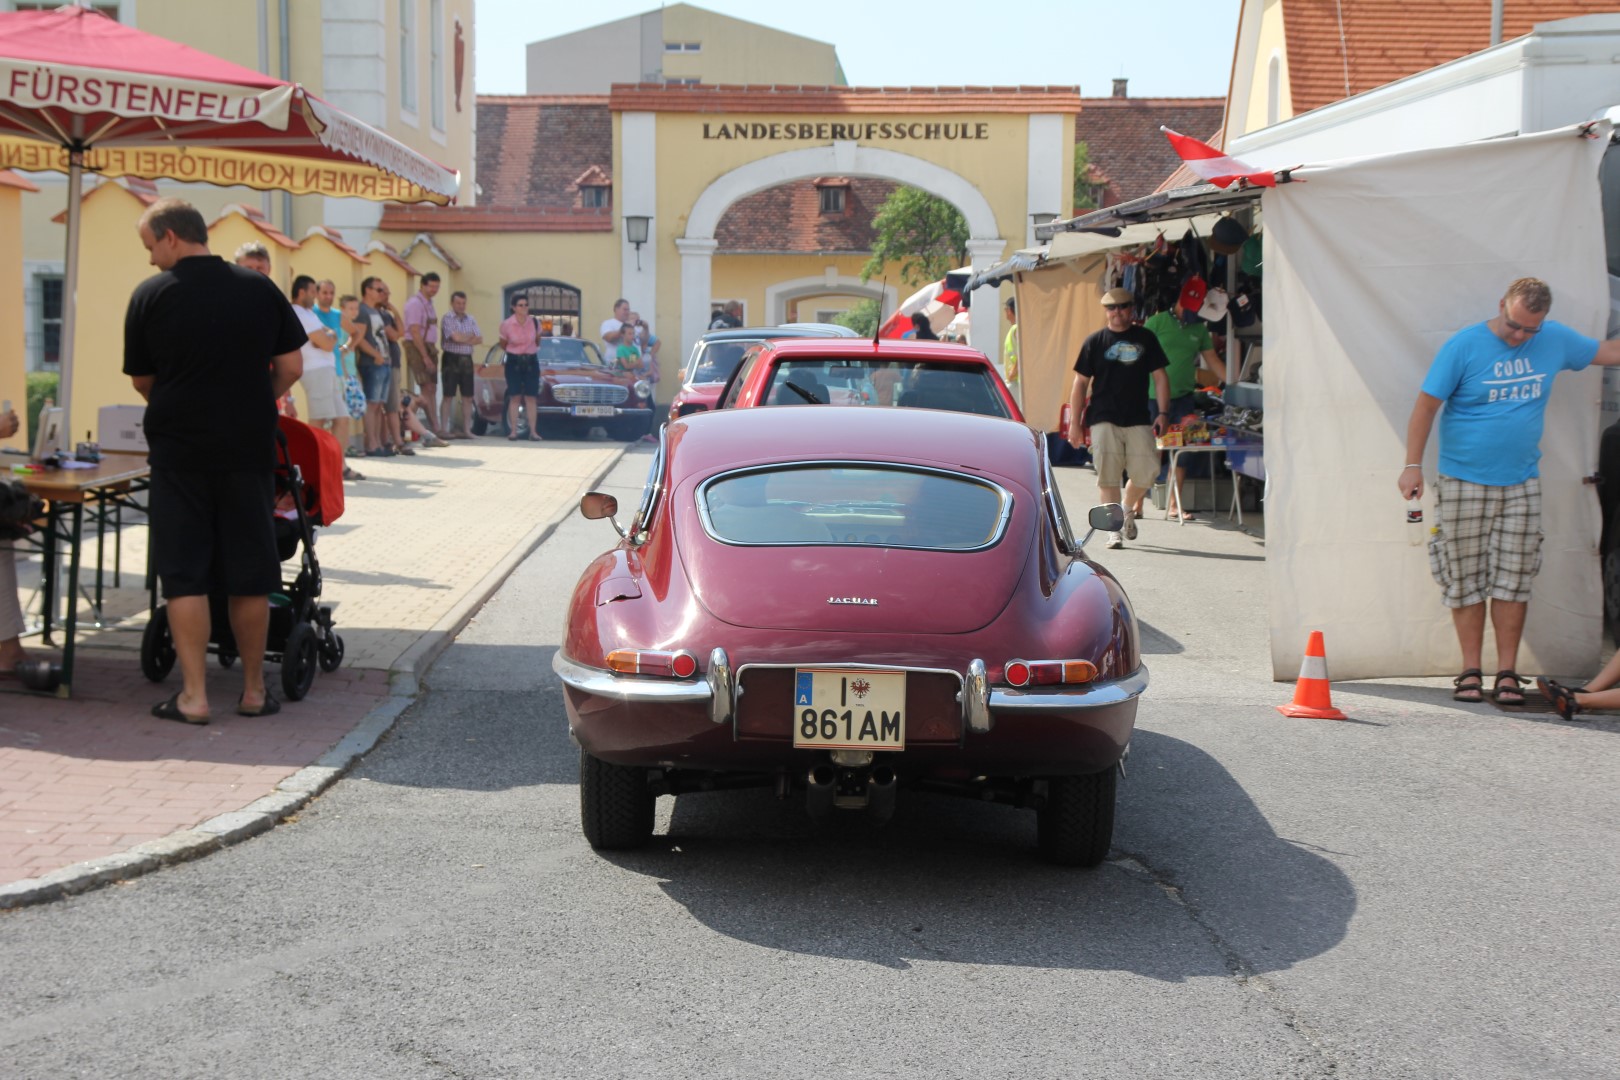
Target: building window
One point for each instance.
(1098, 193)
(407, 55)
(691, 81)
(436, 62)
(595, 196)
(112, 10)
(832, 200)
(683, 46)
(50, 318)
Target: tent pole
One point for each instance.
(70, 295)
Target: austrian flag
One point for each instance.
(1216, 166)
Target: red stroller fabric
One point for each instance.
(320, 461)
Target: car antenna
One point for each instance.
(877, 327)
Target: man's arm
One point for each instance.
(357, 337)
(1161, 394)
(1608, 354)
(322, 338)
(391, 329)
(1077, 407)
(1213, 363)
(143, 385)
(285, 370)
(1410, 482)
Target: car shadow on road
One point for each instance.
(951, 880)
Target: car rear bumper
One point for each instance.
(692, 723)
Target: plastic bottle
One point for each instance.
(1414, 522)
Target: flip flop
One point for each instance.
(270, 707)
(170, 710)
(1511, 695)
(1472, 694)
(350, 474)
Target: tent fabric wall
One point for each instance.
(1057, 307)
(1370, 267)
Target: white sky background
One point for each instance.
(1167, 48)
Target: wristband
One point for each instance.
(1418, 467)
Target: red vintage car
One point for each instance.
(718, 352)
(842, 610)
(923, 374)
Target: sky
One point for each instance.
(1173, 48)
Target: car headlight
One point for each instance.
(643, 388)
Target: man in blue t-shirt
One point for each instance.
(1493, 378)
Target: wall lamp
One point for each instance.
(635, 231)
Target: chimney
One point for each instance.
(1119, 87)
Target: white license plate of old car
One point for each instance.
(595, 410)
(847, 709)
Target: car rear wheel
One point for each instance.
(615, 804)
(1076, 825)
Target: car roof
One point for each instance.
(766, 333)
(709, 442)
(883, 348)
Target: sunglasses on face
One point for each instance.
(1116, 307)
(1511, 325)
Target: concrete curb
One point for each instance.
(296, 791)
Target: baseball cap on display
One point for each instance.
(1118, 296)
(1227, 236)
(1214, 308)
(1192, 293)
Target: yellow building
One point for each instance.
(12, 384)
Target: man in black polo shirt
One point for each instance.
(211, 347)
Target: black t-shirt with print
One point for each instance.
(207, 331)
(1121, 367)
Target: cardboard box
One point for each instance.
(122, 428)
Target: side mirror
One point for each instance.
(599, 504)
(1104, 517)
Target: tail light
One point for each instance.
(1048, 672)
(678, 665)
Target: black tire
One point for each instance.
(1076, 826)
(615, 804)
(157, 647)
(626, 428)
(480, 426)
(331, 651)
(298, 662)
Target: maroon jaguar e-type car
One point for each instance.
(844, 603)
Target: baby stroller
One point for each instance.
(309, 493)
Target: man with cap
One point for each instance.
(1185, 339)
(1116, 366)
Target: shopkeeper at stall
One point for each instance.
(1185, 339)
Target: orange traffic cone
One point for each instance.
(1312, 698)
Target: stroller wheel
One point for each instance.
(298, 661)
(331, 653)
(157, 647)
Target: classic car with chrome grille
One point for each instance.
(578, 390)
(844, 611)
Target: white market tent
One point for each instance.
(1370, 265)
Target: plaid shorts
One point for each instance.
(1486, 541)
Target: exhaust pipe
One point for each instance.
(880, 789)
(820, 785)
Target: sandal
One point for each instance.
(1562, 698)
(270, 707)
(1474, 693)
(170, 710)
(350, 474)
(1510, 695)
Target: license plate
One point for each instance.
(840, 709)
(595, 410)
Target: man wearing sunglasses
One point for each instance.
(1493, 378)
(1117, 366)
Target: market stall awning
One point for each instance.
(1160, 206)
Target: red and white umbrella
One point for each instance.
(81, 91)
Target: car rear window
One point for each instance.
(716, 360)
(855, 505)
(968, 388)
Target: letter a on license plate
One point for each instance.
(849, 709)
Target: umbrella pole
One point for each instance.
(70, 295)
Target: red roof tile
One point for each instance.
(1337, 48)
(787, 219)
(532, 150)
(12, 180)
(431, 242)
(254, 216)
(388, 251)
(336, 238)
(400, 218)
(708, 97)
(1127, 151)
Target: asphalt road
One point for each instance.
(1426, 891)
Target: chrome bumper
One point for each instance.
(568, 410)
(718, 687)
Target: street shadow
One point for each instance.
(1155, 642)
(347, 576)
(1535, 710)
(959, 881)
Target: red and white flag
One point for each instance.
(1216, 166)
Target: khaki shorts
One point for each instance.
(421, 378)
(1117, 450)
(324, 390)
(1486, 541)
